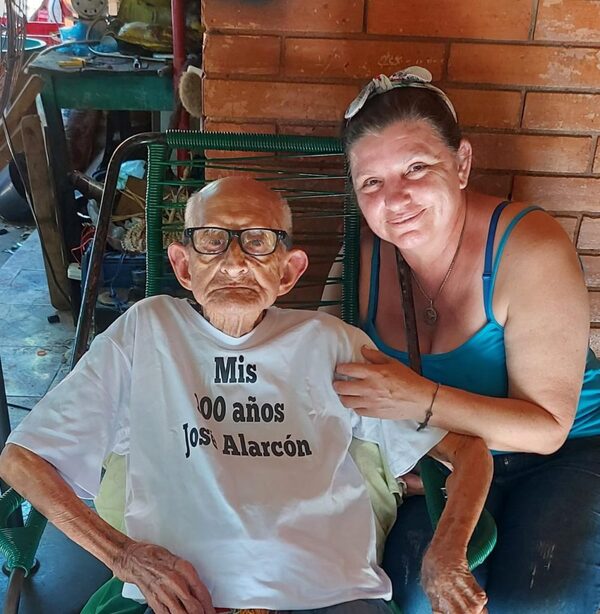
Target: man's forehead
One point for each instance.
(242, 204)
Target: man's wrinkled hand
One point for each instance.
(449, 585)
(170, 584)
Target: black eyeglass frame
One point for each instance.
(282, 237)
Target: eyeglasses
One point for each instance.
(211, 240)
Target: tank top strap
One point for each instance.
(492, 263)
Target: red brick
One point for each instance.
(483, 19)
(595, 340)
(560, 67)
(594, 307)
(589, 235)
(561, 154)
(568, 20)
(569, 224)
(495, 185)
(358, 59)
(254, 101)
(284, 15)
(485, 108)
(562, 111)
(591, 269)
(597, 159)
(247, 55)
(560, 193)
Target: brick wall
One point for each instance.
(523, 74)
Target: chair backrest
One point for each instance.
(308, 171)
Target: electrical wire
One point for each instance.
(87, 236)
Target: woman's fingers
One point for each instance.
(357, 404)
(375, 356)
(352, 388)
(356, 370)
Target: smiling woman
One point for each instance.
(499, 362)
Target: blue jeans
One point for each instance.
(547, 559)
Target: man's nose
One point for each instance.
(234, 261)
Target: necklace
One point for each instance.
(430, 314)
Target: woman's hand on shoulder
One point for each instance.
(383, 388)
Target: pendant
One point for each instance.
(430, 315)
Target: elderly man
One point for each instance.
(240, 490)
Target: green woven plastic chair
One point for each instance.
(18, 544)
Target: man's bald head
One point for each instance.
(241, 194)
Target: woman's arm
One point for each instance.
(445, 574)
(541, 300)
(169, 583)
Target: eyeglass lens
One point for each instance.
(254, 241)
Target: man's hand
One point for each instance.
(414, 484)
(169, 583)
(449, 584)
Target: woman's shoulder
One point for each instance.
(530, 248)
(524, 224)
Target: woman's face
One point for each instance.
(408, 182)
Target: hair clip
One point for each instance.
(414, 76)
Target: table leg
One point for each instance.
(60, 167)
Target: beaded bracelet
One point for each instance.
(429, 411)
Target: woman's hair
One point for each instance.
(402, 104)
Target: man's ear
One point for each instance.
(179, 258)
(465, 156)
(294, 265)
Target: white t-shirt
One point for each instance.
(237, 450)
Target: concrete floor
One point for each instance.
(35, 356)
(34, 353)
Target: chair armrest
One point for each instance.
(19, 544)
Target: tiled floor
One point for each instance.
(34, 353)
(35, 356)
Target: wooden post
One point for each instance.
(21, 105)
(46, 209)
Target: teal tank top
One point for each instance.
(479, 364)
